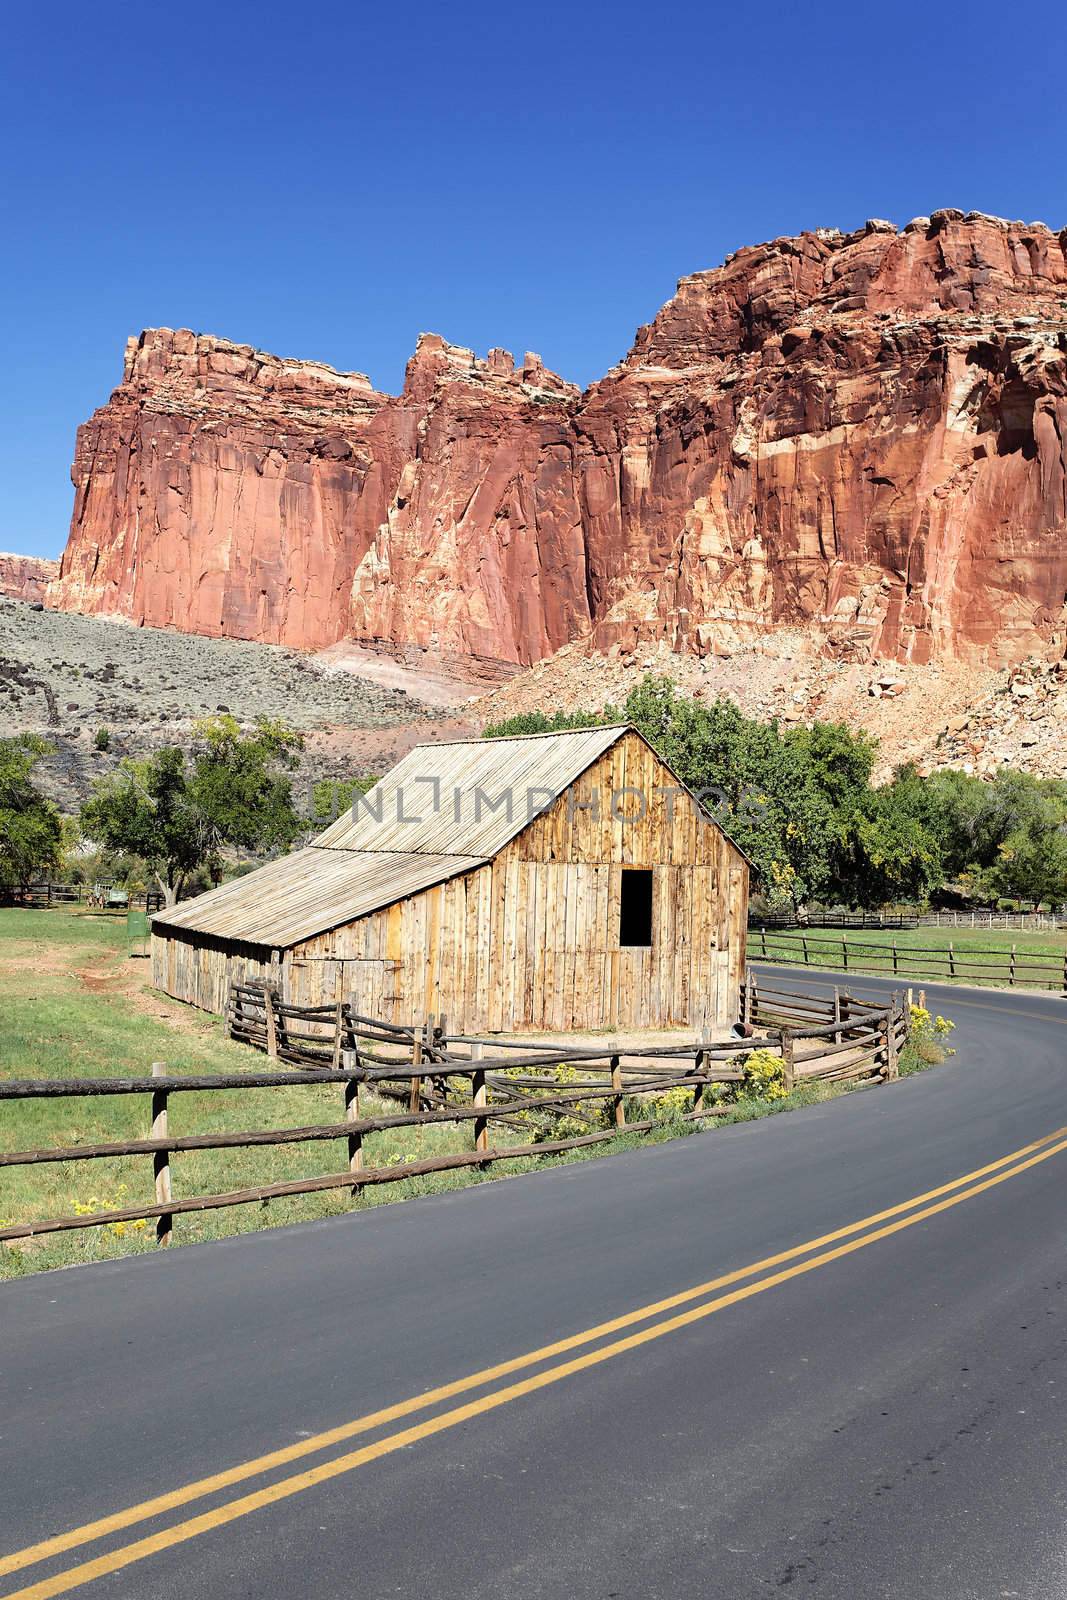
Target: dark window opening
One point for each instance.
(635, 908)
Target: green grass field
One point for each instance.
(871, 950)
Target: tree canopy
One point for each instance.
(1003, 838)
(31, 830)
(177, 815)
(801, 803)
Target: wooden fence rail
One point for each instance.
(455, 1079)
(1014, 968)
(816, 917)
(104, 895)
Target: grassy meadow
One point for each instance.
(980, 955)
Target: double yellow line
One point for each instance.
(818, 1253)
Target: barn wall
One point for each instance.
(531, 940)
(198, 970)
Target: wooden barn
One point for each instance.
(555, 881)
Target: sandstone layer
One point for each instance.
(26, 577)
(863, 436)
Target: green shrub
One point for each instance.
(569, 1122)
(670, 1106)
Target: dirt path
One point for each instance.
(114, 976)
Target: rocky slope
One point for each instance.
(67, 677)
(26, 577)
(910, 709)
(941, 714)
(859, 436)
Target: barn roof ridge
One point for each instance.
(543, 733)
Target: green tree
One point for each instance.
(331, 797)
(839, 761)
(30, 826)
(1031, 864)
(1003, 837)
(177, 819)
(886, 852)
(144, 809)
(239, 785)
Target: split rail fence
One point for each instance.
(1035, 921)
(99, 896)
(441, 1078)
(1014, 968)
(814, 918)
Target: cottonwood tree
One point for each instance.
(31, 831)
(178, 817)
(1005, 837)
(799, 801)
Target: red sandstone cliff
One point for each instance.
(864, 433)
(26, 577)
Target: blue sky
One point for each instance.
(328, 180)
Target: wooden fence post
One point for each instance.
(951, 960)
(701, 1089)
(844, 954)
(480, 1096)
(415, 1098)
(837, 1013)
(894, 958)
(746, 1010)
(1011, 968)
(804, 947)
(616, 1083)
(355, 1140)
(891, 1069)
(272, 1021)
(787, 1060)
(161, 1158)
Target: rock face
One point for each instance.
(26, 577)
(864, 435)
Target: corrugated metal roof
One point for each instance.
(309, 892)
(468, 797)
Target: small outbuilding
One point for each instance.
(554, 881)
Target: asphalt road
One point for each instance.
(878, 1415)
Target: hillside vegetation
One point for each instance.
(801, 802)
